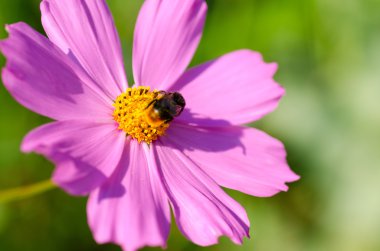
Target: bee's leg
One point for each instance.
(151, 102)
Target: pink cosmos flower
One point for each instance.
(115, 144)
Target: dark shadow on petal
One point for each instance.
(113, 187)
(189, 136)
(187, 117)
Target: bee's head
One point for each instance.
(180, 102)
(178, 98)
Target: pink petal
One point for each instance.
(167, 34)
(239, 158)
(203, 211)
(45, 80)
(236, 88)
(131, 209)
(84, 153)
(85, 29)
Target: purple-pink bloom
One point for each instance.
(74, 77)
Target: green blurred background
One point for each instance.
(329, 62)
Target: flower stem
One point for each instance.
(25, 191)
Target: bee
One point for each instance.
(164, 108)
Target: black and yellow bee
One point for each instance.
(164, 108)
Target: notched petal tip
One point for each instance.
(7, 26)
(44, 7)
(257, 56)
(3, 42)
(26, 145)
(15, 26)
(293, 177)
(237, 240)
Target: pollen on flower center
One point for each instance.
(142, 114)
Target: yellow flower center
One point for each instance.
(135, 114)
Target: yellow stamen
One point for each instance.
(130, 113)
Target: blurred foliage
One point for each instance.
(329, 58)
